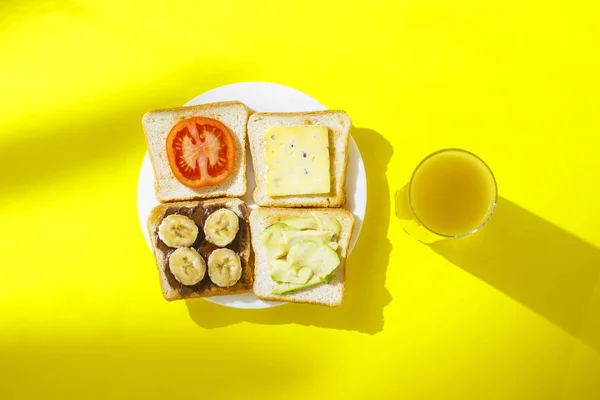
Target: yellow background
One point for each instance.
(514, 313)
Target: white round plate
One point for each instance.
(262, 97)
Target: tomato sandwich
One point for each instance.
(198, 151)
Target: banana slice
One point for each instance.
(221, 227)
(187, 266)
(224, 267)
(177, 231)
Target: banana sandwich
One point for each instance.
(202, 248)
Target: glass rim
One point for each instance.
(491, 210)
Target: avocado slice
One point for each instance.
(330, 277)
(327, 223)
(320, 258)
(301, 223)
(283, 288)
(271, 237)
(279, 268)
(282, 271)
(292, 237)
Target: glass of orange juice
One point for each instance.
(452, 193)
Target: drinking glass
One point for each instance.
(452, 193)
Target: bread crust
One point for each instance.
(198, 107)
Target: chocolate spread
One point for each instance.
(240, 245)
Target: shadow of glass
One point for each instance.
(545, 268)
(365, 295)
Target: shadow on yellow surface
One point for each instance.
(44, 150)
(68, 146)
(365, 295)
(545, 268)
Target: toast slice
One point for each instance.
(338, 124)
(199, 211)
(327, 294)
(157, 125)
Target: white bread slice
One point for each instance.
(173, 290)
(327, 294)
(338, 123)
(157, 125)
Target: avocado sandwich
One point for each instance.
(300, 254)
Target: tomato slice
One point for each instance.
(201, 152)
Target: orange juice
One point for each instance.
(452, 192)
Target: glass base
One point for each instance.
(409, 223)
